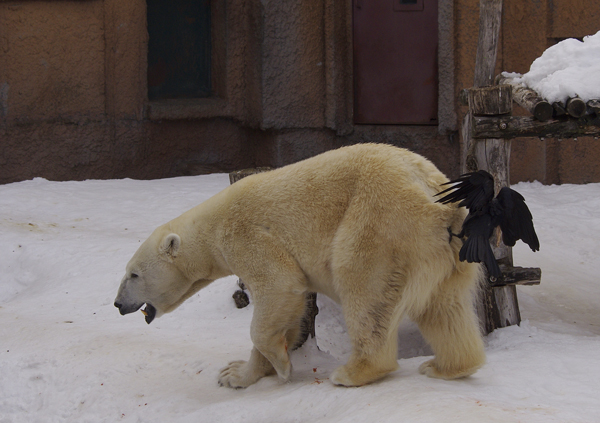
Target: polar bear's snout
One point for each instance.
(149, 311)
(128, 302)
(125, 308)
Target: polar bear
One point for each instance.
(358, 224)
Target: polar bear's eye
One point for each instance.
(134, 275)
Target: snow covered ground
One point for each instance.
(66, 355)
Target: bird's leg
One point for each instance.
(451, 234)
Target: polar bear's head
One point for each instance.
(155, 277)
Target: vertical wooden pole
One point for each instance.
(497, 306)
(490, 17)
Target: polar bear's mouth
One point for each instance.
(150, 312)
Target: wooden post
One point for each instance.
(490, 16)
(307, 326)
(497, 306)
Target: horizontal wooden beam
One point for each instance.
(518, 276)
(509, 127)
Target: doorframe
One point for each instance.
(339, 60)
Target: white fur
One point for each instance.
(358, 224)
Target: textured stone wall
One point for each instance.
(52, 56)
(73, 100)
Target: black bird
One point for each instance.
(475, 191)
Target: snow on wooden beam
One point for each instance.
(541, 108)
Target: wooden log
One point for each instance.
(490, 17)
(493, 156)
(510, 127)
(490, 101)
(497, 306)
(519, 276)
(529, 99)
(594, 106)
(559, 109)
(576, 107)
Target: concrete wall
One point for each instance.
(73, 96)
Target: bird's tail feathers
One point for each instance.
(477, 249)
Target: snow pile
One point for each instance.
(568, 69)
(66, 355)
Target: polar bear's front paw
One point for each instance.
(238, 374)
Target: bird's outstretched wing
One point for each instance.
(516, 221)
(474, 190)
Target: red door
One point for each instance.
(395, 61)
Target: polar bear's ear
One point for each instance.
(170, 245)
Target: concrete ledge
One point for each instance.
(188, 109)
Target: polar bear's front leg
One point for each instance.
(274, 331)
(241, 374)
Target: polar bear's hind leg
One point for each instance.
(372, 322)
(451, 327)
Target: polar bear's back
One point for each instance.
(373, 197)
(375, 181)
(361, 166)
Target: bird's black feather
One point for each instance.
(475, 191)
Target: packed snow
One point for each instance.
(570, 68)
(66, 355)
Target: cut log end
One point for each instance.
(594, 106)
(543, 111)
(518, 276)
(576, 107)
